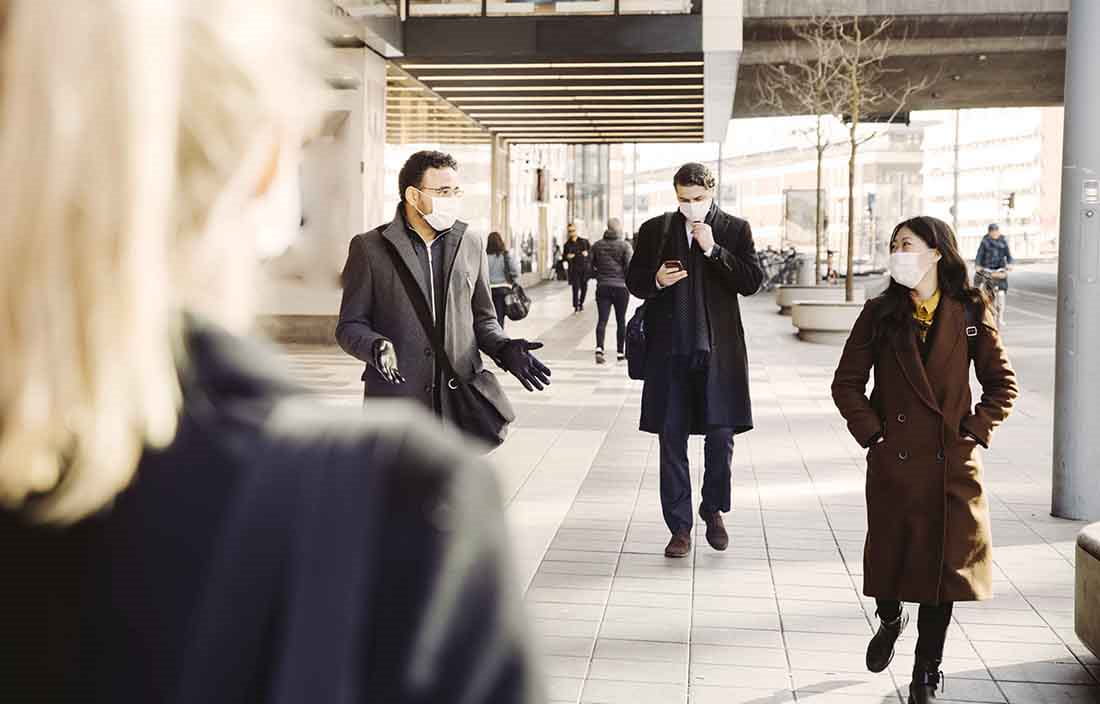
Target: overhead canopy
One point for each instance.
(561, 79)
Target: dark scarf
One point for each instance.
(694, 339)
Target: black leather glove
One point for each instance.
(385, 361)
(516, 357)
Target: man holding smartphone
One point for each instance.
(690, 266)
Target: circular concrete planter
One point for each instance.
(825, 321)
(786, 296)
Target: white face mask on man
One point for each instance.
(444, 213)
(910, 268)
(696, 211)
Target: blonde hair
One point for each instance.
(130, 133)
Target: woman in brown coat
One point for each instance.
(928, 537)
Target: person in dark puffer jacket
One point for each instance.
(610, 259)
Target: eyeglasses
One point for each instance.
(444, 192)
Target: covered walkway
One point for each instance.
(778, 617)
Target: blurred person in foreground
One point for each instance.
(178, 523)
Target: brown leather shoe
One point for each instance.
(679, 545)
(717, 536)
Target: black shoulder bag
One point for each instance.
(637, 345)
(517, 304)
(473, 413)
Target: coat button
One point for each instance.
(428, 389)
(939, 455)
(901, 417)
(427, 351)
(903, 455)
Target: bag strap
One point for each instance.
(412, 290)
(973, 327)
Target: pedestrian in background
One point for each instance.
(577, 260)
(690, 267)
(928, 537)
(179, 523)
(610, 261)
(503, 272)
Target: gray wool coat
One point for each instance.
(375, 306)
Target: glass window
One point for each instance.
(370, 8)
(430, 8)
(550, 7)
(655, 7)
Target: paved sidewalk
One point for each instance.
(778, 617)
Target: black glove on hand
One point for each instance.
(516, 357)
(385, 361)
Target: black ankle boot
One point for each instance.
(880, 651)
(927, 680)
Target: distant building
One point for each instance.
(1009, 172)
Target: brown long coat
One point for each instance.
(928, 536)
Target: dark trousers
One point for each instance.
(932, 624)
(580, 291)
(606, 297)
(685, 400)
(499, 293)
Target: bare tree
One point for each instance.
(808, 83)
(861, 54)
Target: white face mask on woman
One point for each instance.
(909, 268)
(696, 211)
(444, 213)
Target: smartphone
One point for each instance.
(673, 265)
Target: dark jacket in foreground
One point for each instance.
(375, 306)
(928, 537)
(610, 260)
(732, 272)
(279, 551)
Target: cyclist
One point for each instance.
(992, 264)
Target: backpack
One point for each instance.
(637, 346)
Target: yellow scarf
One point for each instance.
(925, 314)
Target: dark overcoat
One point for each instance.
(731, 272)
(375, 306)
(279, 551)
(928, 533)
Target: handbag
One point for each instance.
(517, 304)
(637, 345)
(474, 413)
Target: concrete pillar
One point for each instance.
(1077, 404)
(498, 191)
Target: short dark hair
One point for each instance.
(694, 174)
(992, 226)
(412, 173)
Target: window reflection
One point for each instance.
(655, 7)
(370, 8)
(426, 8)
(555, 7)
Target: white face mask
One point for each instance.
(909, 268)
(696, 211)
(444, 213)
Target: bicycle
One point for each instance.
(989, 281)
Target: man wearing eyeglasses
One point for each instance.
(424, 271)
